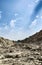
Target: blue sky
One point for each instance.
(20, 18)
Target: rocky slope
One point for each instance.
(34, 38)
(25, 52)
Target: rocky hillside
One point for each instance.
(34, 38)
(19, 53)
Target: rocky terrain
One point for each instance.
(21, 52)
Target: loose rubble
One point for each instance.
(28, 54)
(19, 53)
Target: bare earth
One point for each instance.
(17, 53)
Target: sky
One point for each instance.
(20, 18)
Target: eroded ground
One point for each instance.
(20, 54)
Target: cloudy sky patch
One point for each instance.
(20, 18)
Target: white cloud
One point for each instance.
(33, 23)
(12, 23)
(37, 16)
(36, 1)
(41, 17)
(16, 14)
(17, 34)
